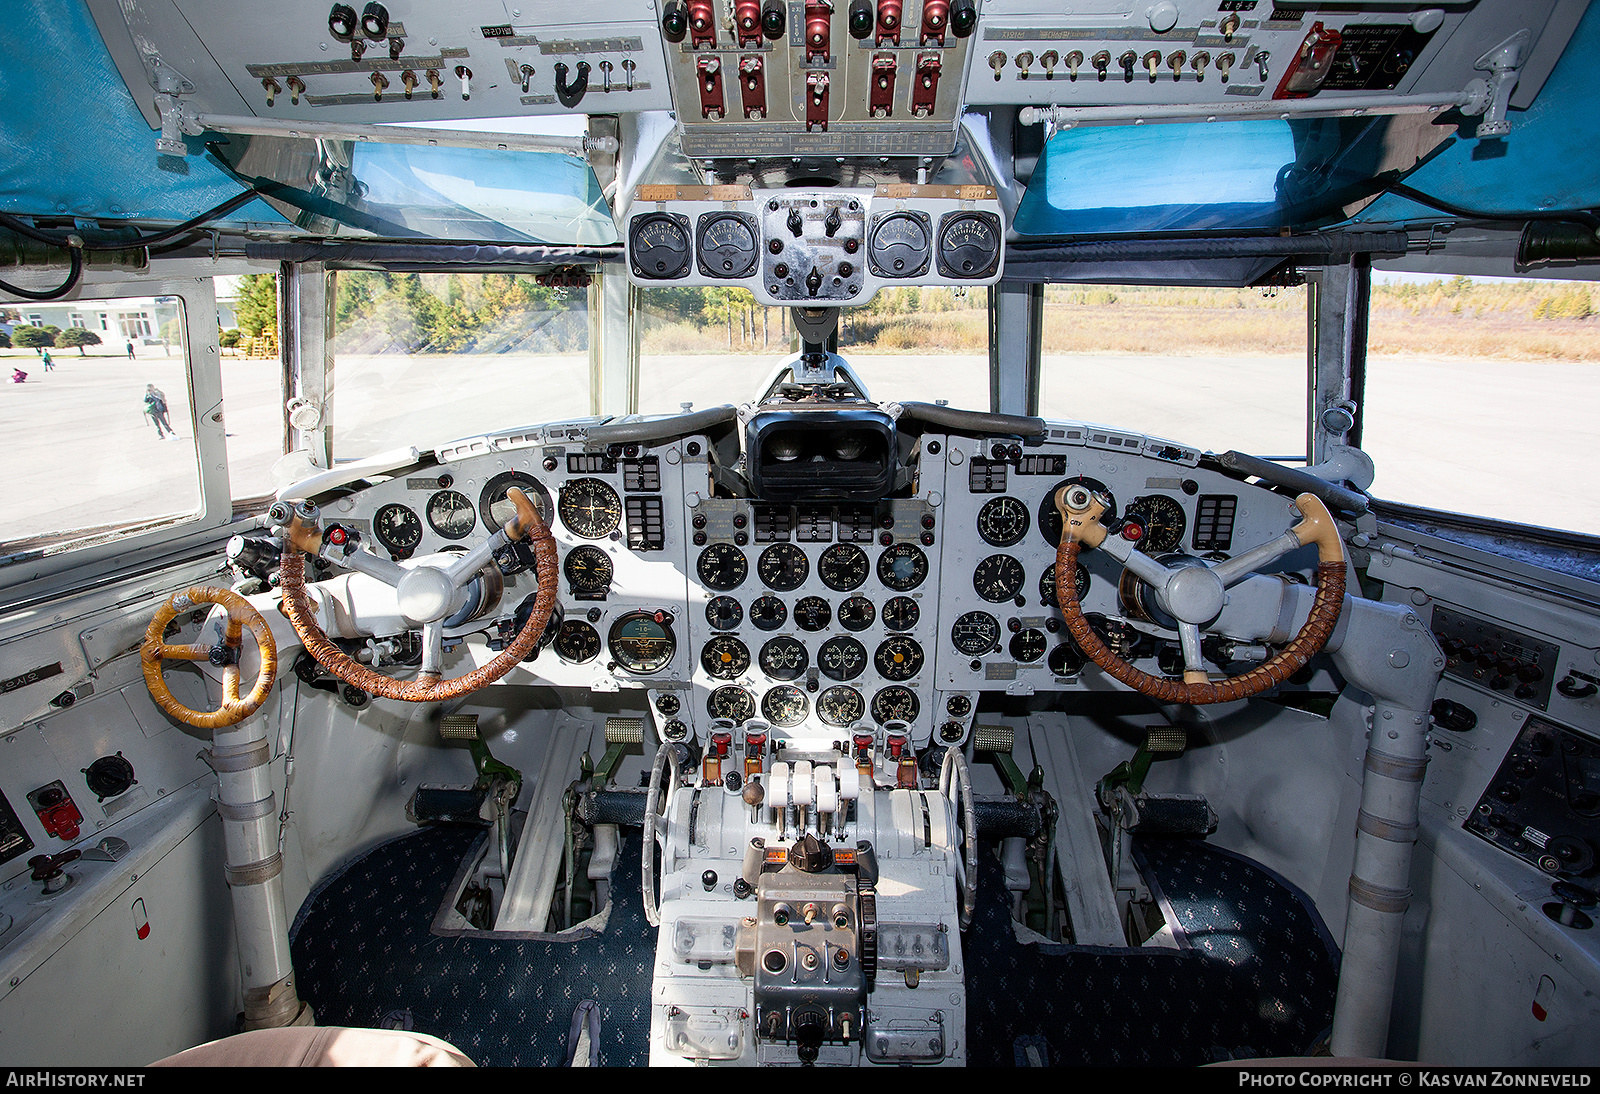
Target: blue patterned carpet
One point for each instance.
(1256, 977)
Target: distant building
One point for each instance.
(134, 319)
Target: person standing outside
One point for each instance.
(130, 349)
(155, 406)
(48, 364)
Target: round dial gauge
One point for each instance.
(726, 245)
(975, 633)
(725, 657)
(898, 245)
(1164, 522)
(898, 658)
(451, 515)
(843, 567)
(721, 566)
(783, 566)
(1028, 645)
(641, 643)
(658, 245)
(969, 245)
(785, 706)
(958, 706)
(895, 704)
(724, 613)
(495, 509)
(733, 703)
(1047, 584)
(1003, 521)
(841, 706)
(857, 614)
(590, 508)
(668, 704)
(767, 613)
(1066, 660)
(588, 569)
(811, 613)
(398, 529)
(842, 658)
(577, 642)
(783, 658)
(901, 613)
(998, 578)
(903, 567)
(1050, 520)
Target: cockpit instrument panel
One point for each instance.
(833, 246)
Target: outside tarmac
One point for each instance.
(1463, 435)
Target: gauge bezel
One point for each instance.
(398, 550)
(909, 604)
(948, 223)
(1153, 543)
(842, 642)
(435, 498)
(842, 692)
(588, 550)
(1050, 521)
(999, 559)
(786, 551)
(624, 662)
(639, 223)
(877, 221)
(896, 691)
(912, 667)
(706, 222)
(735, 668)
(1047, 583)
(989, 646)
(860, 625)
(826, 617)
(738, 615)
(827, 566)
(764, 655)
(1023, 641)
(761, 623)
(576, 627)
(986, 513)
(613, 510)
(917, 554)
(721, 550)
(784, 690)
(727, 692)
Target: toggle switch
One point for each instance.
(433, 81)
(1175, 61)
(379, 83)
(888, 22)
(408, 80)
(1199, 62)
(358, 47)
(1074, 62)
(1102, 62)
(753, 87)
(710, 72)
(1048, 60)
(1152, 63)
(816, 101)
(1127, 61)
(1024, 61)
(924, 94)
(605, 77)
(881, 104)
(397, 46)
(297, 88)
(1261, 64)
(527, 75)
(272, 89)
(1230, 26)
(997, 61)
(1225, 65)
(464, 74)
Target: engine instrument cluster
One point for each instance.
(802, 246)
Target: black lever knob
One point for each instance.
(796, 225)
(832, 222)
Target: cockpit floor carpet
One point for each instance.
(1254, 976)
(363, 949)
